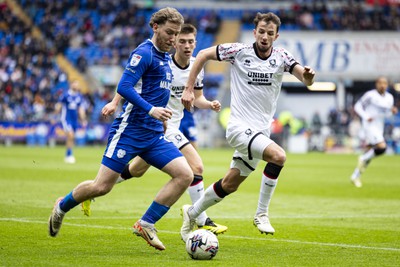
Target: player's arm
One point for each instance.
(202, 57)
(111, 107)
(359, 108)
(201, 102)
(133, 72)
(57, 108)
(82, 115)
(304, 74)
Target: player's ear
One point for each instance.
(276, 36)
(155, 27)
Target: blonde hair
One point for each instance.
(168, 14)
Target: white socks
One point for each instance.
(196, 192)
(209, 199)
(266, 191)
(368, 155)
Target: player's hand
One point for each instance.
(308, 74)
(109, 109)
(187, 99)
(161, 114)
(394, 110)
(370, 119)
(215, 105)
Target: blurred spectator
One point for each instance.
(349, 16)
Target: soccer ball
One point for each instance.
(202, 245)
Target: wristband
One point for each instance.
(151, 111)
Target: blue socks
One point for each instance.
(155, 212)
(69, 152)
(68, 203)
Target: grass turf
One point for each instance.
(319, 217)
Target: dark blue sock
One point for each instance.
(155, 212)
(68, 203)
(69, 152)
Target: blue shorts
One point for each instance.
(69, 126)
(127, 143)
(188, 127)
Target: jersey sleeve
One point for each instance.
(361, 104)
(228, 51)
(138, 63)
(289, 61)
(198, 85)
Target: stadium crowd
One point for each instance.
(104, 32)
(349, 16)
(28, 76)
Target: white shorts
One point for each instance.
(373, 135)
(249, 147)
(176, 137)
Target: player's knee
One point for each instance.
(379, 150)
(279, 157)
(185, 177)
(137, 173)
(197, 168)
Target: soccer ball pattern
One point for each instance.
(202, 245)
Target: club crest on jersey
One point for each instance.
(272, 63)
(248, 132)
(135, 59)
(121, 153)
(178, 138)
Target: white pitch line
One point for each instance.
(294, 216)
(225, 236)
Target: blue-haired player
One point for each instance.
(72, 108)
(138, 131)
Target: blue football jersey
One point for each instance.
(71, 102)
(145, 83)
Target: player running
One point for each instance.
(182, 62)
(72, 108)
(373, 107)
(256, 80)
(145, 84)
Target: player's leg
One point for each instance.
(377, 147)
(275, 157)
(136, 168)
(115, 158)
(166, 157)
(214, 194)
(103, 184)
(69, 143)
(196, 189)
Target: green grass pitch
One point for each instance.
(319, 217)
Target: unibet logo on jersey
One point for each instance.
(259, 78)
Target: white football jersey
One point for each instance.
(179, 80)
(255, 82)
(376, 106)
